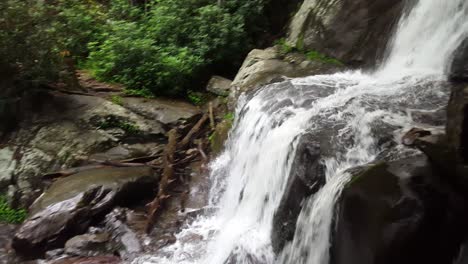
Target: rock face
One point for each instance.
(219, 86)
(70, 204)
(307, 177)
(263, 66)
(459, 67)
(457, 125)
(398, 212)
(62, 130)
(354, 31)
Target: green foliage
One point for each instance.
(155, 55)
(117, 99)
(37, 36)
(115, 122)
(285, 47)
(162, 47)
(145, 93)
(10, 215)
(196, 98)
(229, 116)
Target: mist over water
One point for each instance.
(249, 178)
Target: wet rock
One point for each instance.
(219, 86)
(307, 177)
(125, 240)
(262, 66)
(459, 67)
(398, 212)
(70, 204)
(220, 135)
(89, 260)
(87, 245)
(354, 31)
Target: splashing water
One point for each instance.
(352, 108)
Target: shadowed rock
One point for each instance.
(307, 177)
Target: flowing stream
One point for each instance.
(354, 110)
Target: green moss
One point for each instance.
(117, 99)
(317, 56)
(10, 215)
(313, 55)
(229, 116)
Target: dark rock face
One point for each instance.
(398, 212)
(457, 134)
(307, 177)
(354, 31)
(457, 125)
(70, 204)
(459, 67)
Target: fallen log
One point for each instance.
(186, 140)
(166, 179)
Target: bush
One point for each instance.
(165, 47)
(37, 35)
(10, 215)
(167, 50)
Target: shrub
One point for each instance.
(10, 215)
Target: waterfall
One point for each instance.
(249, 178)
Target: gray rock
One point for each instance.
(459, 67)
(165, 112)
(397, 212)
(219, 86)
(124, 239)
(88, 245)
(354, 31)
(70, 204)
(262, 66)
(307, 177)
(63, 130)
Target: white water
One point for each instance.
(250, 176)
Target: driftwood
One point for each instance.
(166, 179)
(186, 140)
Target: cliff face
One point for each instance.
(354, 31)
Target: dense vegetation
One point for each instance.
(162, 47)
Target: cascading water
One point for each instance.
(249, 178)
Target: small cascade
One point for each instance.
(352, 108)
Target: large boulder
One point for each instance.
(459, 67)
(70, 204)
(307, 176)
(398, 212)
(264, 66)
(62, 130)
(354, 31)
(219, 86)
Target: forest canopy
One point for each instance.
(162, 47)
